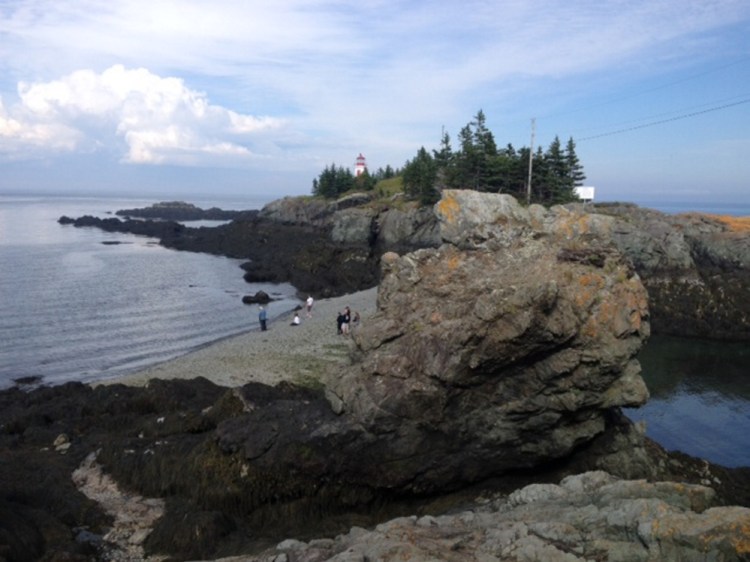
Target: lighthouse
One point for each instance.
(360, 166)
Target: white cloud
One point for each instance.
(19, 138)
(161, 120)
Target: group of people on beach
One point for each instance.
(345, 321)
(308, 306)
(263, 314)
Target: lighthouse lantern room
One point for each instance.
(360, 166)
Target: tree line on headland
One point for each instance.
(476, 163)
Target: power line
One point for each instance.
(591, 130)
(641, 92)
(662, 121)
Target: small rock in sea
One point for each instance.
(261, 297)
(28, 381)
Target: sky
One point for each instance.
(189, 98)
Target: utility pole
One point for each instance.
(531, 161)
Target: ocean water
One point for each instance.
(700, 398)
(83, 304)
(714, 208)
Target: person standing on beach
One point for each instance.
(309, 305)
(347, 317)
(262, 318)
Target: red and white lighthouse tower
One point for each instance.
(360, 166)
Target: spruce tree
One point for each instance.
(420, 175)
(575, 168)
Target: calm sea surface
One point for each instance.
(75, 307)
(700, 398)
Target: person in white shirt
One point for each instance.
(309, 305)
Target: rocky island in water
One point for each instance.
(478, 417)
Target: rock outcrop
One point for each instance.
(696, 268)
(504, 349)
(500, 350)
(156, 450)
(590, 516)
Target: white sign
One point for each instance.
(585, 192)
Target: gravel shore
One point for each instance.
(283, 352)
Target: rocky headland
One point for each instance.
(182, 211)
(695, 267)
(502, 348)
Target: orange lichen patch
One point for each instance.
(735, 224)
(590, 285)
(575, 225)
(741, 539)
(454, 262)
(448, 207)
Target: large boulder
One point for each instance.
(503, 349)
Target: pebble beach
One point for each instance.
(283, 352)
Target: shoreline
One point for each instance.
(282, 353)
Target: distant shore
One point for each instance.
(283, 352)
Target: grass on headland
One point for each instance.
(735, 224)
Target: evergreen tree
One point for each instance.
(420, 175)
(465, 161)
(443, 163)
(555, 178)
(444, 156)
(344, 180)
(575, 168)
(333, 181)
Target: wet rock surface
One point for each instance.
(136, 452)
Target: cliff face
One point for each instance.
(696, 269)
(356, 220)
